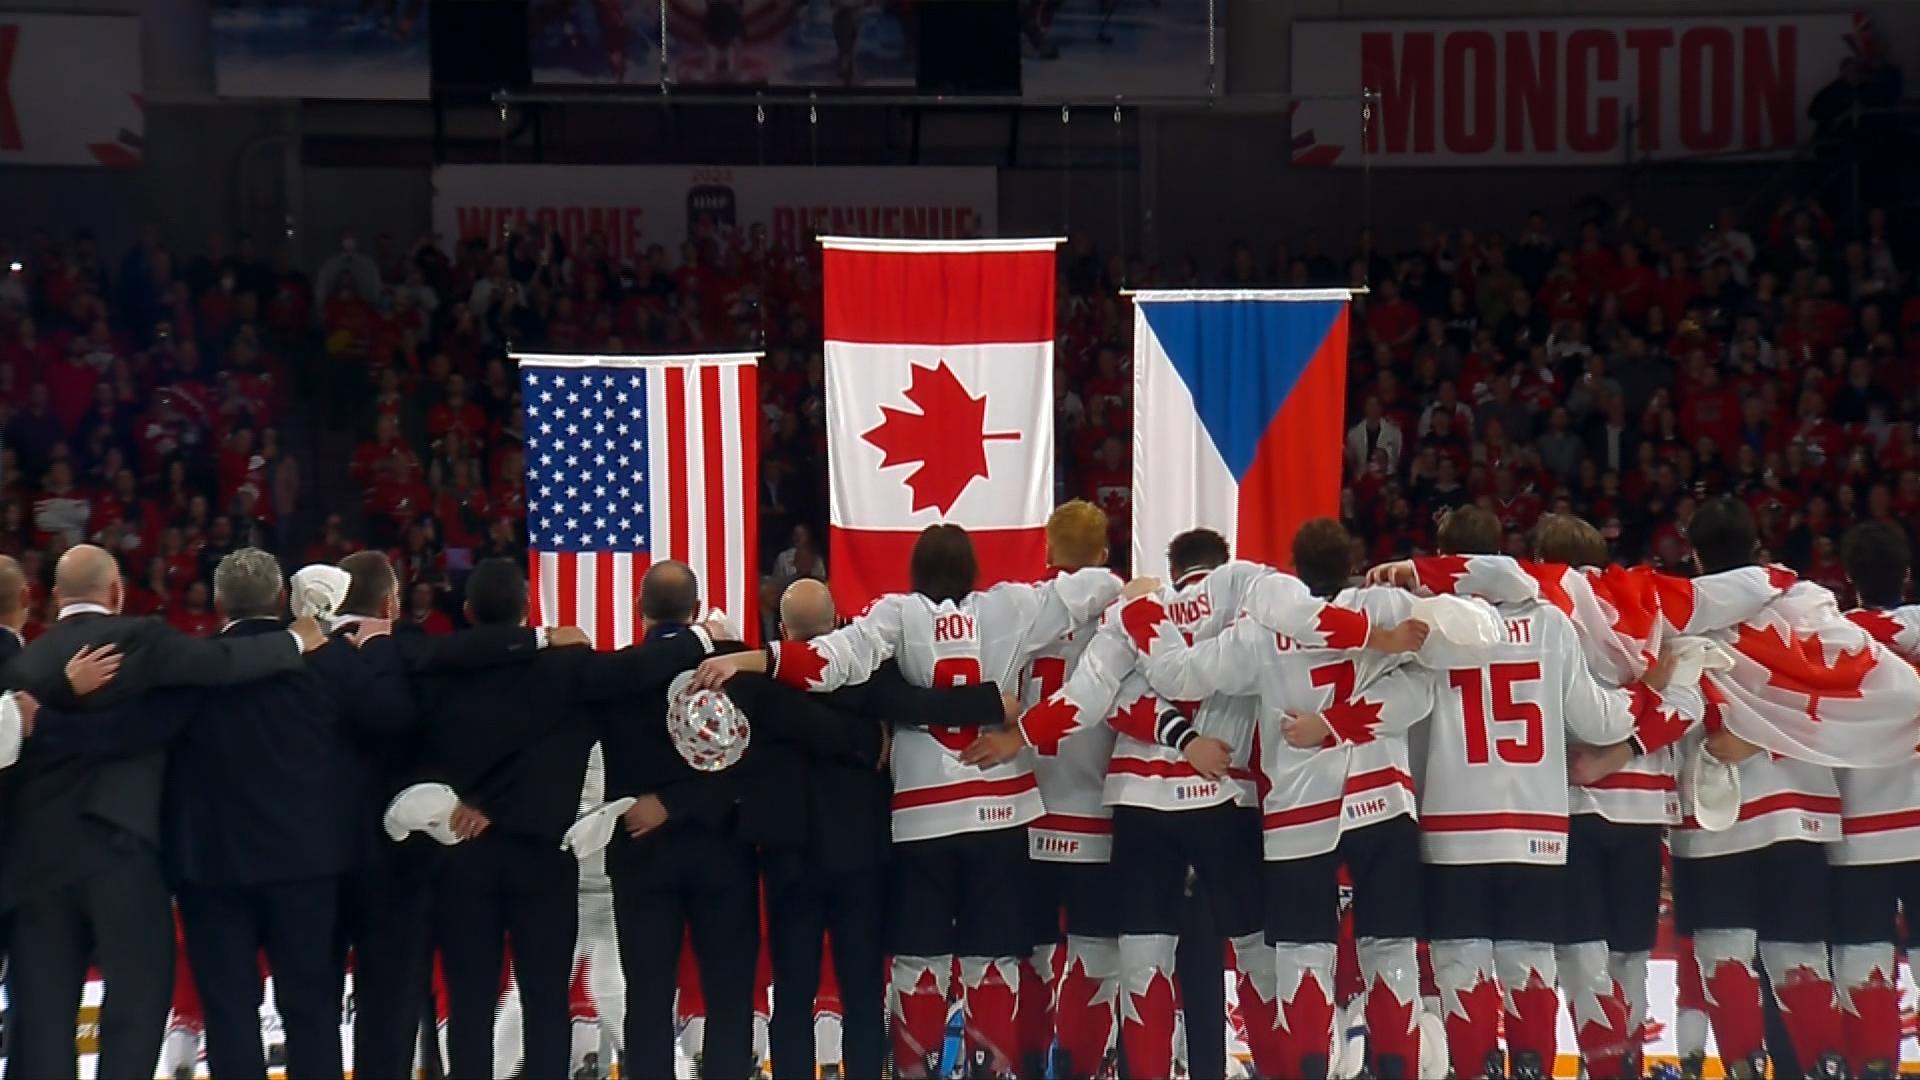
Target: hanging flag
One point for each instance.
(632, 460)
(1239, 417)
(939, 405)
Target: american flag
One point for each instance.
(634, 459)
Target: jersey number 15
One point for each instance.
(1491, 715)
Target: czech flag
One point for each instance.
(1239, 417)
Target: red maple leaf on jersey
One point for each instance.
(1799, 665)
(946, 439)
(1353, 721)
(801, 665)
(1879, 625)
(1440, 573)
(1552, 580)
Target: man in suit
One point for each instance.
(15, 602)
(676, 862)
(686, 859)
(260, 830)
(83, 873)
(815, 797)
(386, 897)
(513, 743)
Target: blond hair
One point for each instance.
(1077, 535)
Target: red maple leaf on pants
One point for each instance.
(1799, 665)
(947, 438)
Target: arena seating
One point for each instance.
(175, 405)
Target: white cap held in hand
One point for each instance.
(318, 590)
(594, 830)
(426, 808)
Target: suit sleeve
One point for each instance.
(704, 799)
(468, 650)
(825, 732)
(605, 677)
(144, 723)
(848, 655)
(892, 699)
(178, 660)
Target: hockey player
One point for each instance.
(1193, 808)
(1876, 864)
(1493, 810)
(1336, 790)
(1616, 844)
(1070, 993)
(960, 838)
(1763, 880)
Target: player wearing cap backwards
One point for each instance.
(1876, 864)
(1187, 808)
(1335, 790)
(960, 837)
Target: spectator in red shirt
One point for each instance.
(462, 507)
(1633, 284)
(150, 594)
(1109, 485)
(456, 413)
(386, 444)
(1709, 409)
(194, 616)
(423, 610)
(1392, 321)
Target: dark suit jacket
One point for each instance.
(513, 741)
(74, 815)
(810, 778)
(387, 734)
(260, 785)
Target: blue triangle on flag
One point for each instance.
(1240, 359)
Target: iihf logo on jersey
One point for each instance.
(1206, 790)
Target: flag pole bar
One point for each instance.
(668, 96)
(1350, 291)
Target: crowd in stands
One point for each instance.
(1614, 371)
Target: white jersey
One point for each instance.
(1880, 808)
(1494, 781)
(1145, 771)
(1368, 699)
(1077, 825)
(986, 637)
(1781, 798)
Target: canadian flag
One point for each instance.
(939, 405)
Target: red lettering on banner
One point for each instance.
(623, 227)
(1600, 131)
(1406, 90)
(9, 120)
(1467, 130)
(1532, 80)
(1647, 45)
(1768, 86)
(1706, 117)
